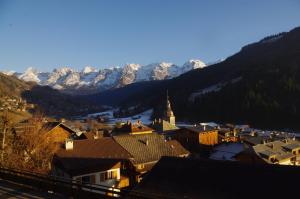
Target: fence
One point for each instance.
(68, 188)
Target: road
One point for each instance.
(14, 191)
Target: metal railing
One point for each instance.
(67, 187)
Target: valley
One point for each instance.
(149, 99)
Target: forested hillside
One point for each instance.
(259, 85)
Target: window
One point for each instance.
(108, 175)
(141, 166)
(86, 179)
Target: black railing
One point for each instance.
(67, 187)
(58, 185)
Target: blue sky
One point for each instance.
(54, 33)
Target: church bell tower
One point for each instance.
(168, 114)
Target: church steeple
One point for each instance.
(168, 114)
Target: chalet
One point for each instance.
(132, 128)
(285, 152)
(192, 137)
(228, 135)
(147, 149)
(58, 131)
(253, 139)
(98, 161)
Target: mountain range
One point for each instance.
(259, 85)
(95, 80)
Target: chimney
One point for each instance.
(69, 145)
(286, 141)
(147, 142)
(264, 142)
(96, 136)
(204, 127)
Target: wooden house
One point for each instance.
(59, 131)
(192, 137)
(130, 128)
(92, 161)
(228, 135)
(146, 150)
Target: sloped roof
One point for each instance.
(276, 148)
(292, 146)
(139, 127)
(178, 149)
(149, 147)
(200, 128)
(90, 155)
(253, 140)
(132, 128)
(95, 148)
(51, 125)
(200, 178)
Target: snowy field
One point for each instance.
(144, 117)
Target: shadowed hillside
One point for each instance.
(259, 85)
(51, 102)
(12, 86)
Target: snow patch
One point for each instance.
(144, 117)
(227, 151)
(88, 69)
(212, 88)
(107, 78)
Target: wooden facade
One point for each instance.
(208, 138)
(193, 137)
(228, 135)
(59, 134)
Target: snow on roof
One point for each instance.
(227, 151)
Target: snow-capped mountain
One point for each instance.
(90, 78)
